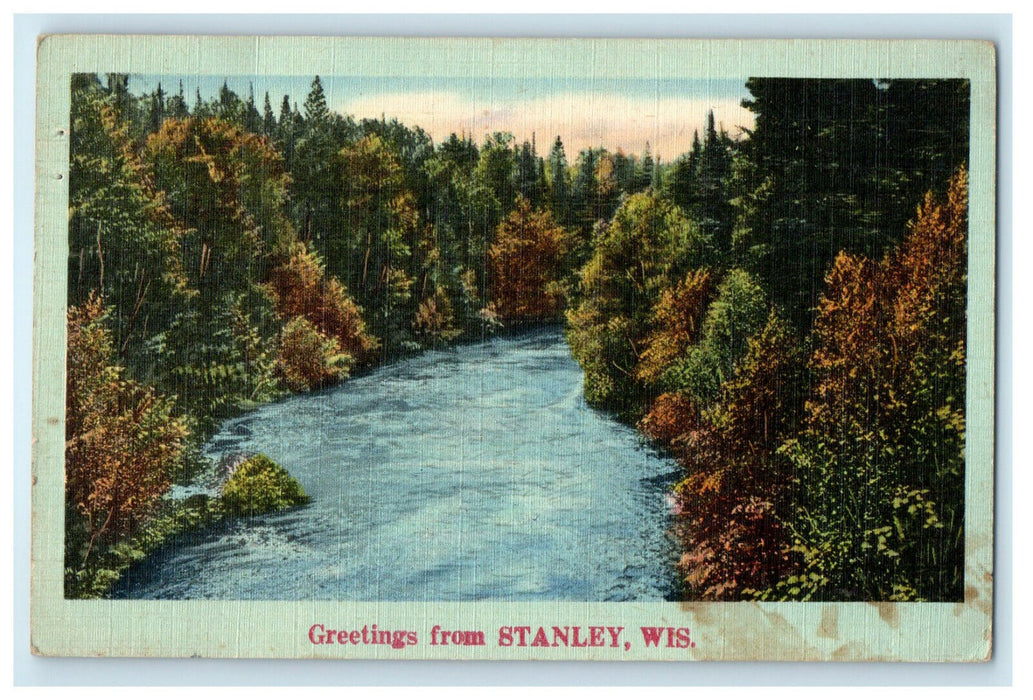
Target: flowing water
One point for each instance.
(473, 473)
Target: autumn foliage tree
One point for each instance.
(302, 288)
(123, 441)
(525, 264)
(880, 462)
(736, 484)
(677, 322)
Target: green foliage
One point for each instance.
(837, 165)
(880, 462)
(738, 311)
(123, 243)
(258, 486)
(648, 245)
(173, 519)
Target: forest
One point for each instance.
(783, 310)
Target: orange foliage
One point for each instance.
(226, 184)
(301, 287)
(886, 416)
(122, 439)
(525, 264)
(671, 417)
(676, 319)
(308, 359)
(434, 320)
(734, 539)
(875, 316)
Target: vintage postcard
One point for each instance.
(514, 349)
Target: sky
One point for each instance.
(584, 112)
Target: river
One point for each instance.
(473, 473)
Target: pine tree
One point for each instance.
(200, 109)
(559, 183)
(252, 120)
(177, 105)
(157, 111)
(645, 176)
(316, 111)
(268, 118)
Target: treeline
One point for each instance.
(221, 255)
(788, 317)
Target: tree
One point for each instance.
(122, 440)
(677, 323)
(495, 172)
(737, 487)
(124, 243)
(836, 165)
(645, 175)
(176, 107)
(529, 182)
(317, 114)
(880, 462)
(526, 259)
(228, 190)
(648, 245)
(268, 118)
(301, 288)
(316, 187)
(559, 183)
(381, 226)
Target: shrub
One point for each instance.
(308, 359)
(259, 485)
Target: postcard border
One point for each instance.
(769, 631)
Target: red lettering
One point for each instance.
(313, 636)
(540, 640)
(651, 635)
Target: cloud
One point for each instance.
(581, 119)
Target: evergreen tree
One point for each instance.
(646, 172)
(316, 112)
(837, 166)
(529, 183)
(157, 109)
(176, 107)
(268, 118)
(252, 120)
(559, 183)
